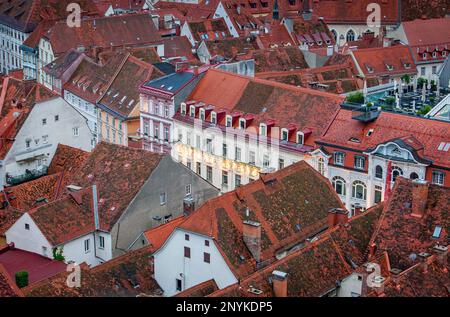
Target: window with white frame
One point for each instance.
(359, 190)
(213, 118)
(378, 172)
(87, 245)
(339, 158)
(242, 124)
(209, 146)
(183, 109)
(360, 162)
(339, 185)
(321, 165)
(284, 135)
(229, 121)
(396, 172)
(192, 111)
(188, 190)
(101, 241)
(266, 160)
(300, 138)
(262, 129)
(75, 131)
(251, 158)
(237, 153)
(438, 177)
(202, 114)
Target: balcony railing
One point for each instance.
(29, 175)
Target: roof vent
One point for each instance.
(441, 248)
(254, 290)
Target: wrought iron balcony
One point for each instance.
(28, 176)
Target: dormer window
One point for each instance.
(213, 118)
(284, 135)
(369, 68)
(434, 55)
(183, 109)
(390, 67)
(424, 55)
(300, 137)
(192, 111)
(407, 65)
(263, 129)
(242, 124)
(444, 53)
(229, 122)
(202, 114)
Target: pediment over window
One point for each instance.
(398, 150)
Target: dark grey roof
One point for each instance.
(171, 83)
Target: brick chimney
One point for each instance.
(279, 282)
(419, 197)
(251, 231)
(337, 216)
(188, 205)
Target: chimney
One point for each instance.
(195, 70)
(188, 205)
(419, 197)
(424, 260)
(441, 252)
(279, 283)
(337, 216)
(95, 203)
(251, 231)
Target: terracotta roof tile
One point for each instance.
(129, 275)
(200, 290)
(211, 28)
(403, 235)
(158, 235)
(119, 172)
(7, 286)
(413, 9)
(293, 205)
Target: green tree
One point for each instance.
(22, 279)
(58, 254)
(356, 97)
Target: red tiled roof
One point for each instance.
(67, 159)
(374, 62)
(129, 275)
(291, 206)
(158, 235)
(231, 47)
(114, 31)
(119, 173)
(8, 217)
(389, 126)
(268, 100)
(403, 235)
(37, 266)
(76, 220)
(354, 11)
(178, 46)
(7, 286)
(212, 28)
(200, 290)
(414, 9)
(278, 36)
(122, 95)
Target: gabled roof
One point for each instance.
(212, 29)
(119, 173)
(122, 95)
(129, 275)
(105, 32)
(178, 46)
(278, 36)
(291, 205)
(279, 59)
(231, 47)
(403, 235)
(60, 65)
(158, 235)
(385, 61)
(67, 159)
(422, 32)
(387, 127)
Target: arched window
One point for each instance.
(339, 185)
(334, 35)
(321, 166)
(396, 171)
(350, 36)
(378, 172)
(359, 190)
(413, 175)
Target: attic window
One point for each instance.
(407, 65)
(262, 129)
(369, 133)
(183, 109)
(202, 114)
(213, 118)
(424, 55)
(192, 111)
(229, 121)
(434, 54)
(369, 69)
(300, 138)
(390, 67)
(242, 124)
(284, 135)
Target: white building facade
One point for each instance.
(188, 259)
(49, 123)
(10, 41)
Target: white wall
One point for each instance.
(10, 53)
(29, 240)
(170, 262)
(222, 13)
(45, 138)
(186, 31)
(33, 240)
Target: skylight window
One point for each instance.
(437, 232)
(444, 146)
